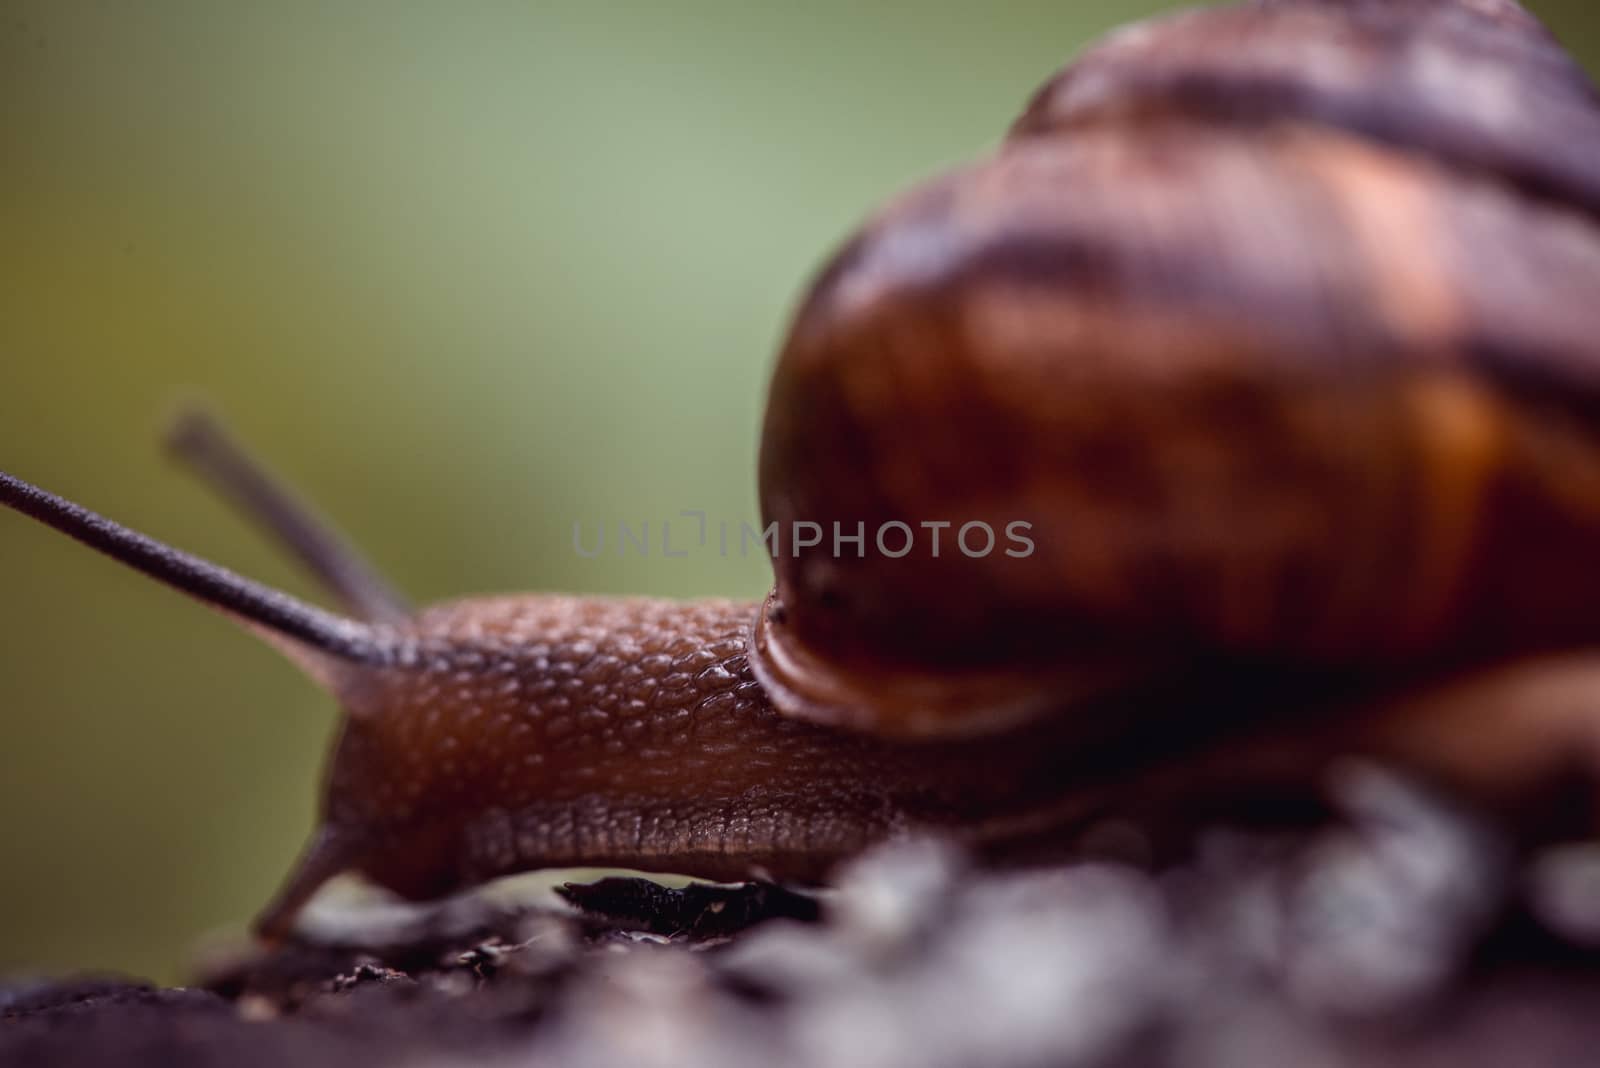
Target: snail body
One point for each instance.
(1294, 391)
(519, 732)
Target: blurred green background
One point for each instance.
(466, 274)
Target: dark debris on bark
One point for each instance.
(1412, 934)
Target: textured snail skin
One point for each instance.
(512, 733)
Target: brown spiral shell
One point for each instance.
(1278, 324)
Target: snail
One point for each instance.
(1274, 328)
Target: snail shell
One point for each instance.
(1278, 324)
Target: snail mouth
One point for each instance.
(916, 702)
